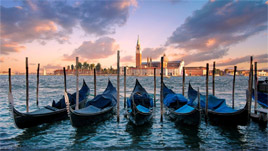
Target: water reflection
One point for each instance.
(190, 135)
(139, 133)
(235, 138)
(32, 132)
(84, 133)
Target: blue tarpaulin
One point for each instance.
(107, 98)
(225, 109)
(173, 98)
(185, 109)
(143, 109)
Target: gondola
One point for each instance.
(262, 88)
(98, 109)
(139, 106)
(178, 110)
(55, 112)
(262, 98)
(218, 111)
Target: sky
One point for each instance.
(54, 32)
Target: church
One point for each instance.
(171, 68)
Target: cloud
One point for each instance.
(218, 25)
(7, 47)
(154, 53)
(55, 20)
(262, 58)
(127, 59)
(101, 48)
(2, 59)
(204, 56)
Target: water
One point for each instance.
(112, 135)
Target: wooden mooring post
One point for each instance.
(77, 85)
(207, 74)
(64, 75)
(198, 96)
(9, 80)
(118, 85)
(125, 80)
(255, 88)
(27, 86)
(37, 84)
(233, 92)
(161, 90)
(95, 83)
(213, 78)
(154, 87)
(183, 80)
(250, 85)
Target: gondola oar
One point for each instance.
(66, 98)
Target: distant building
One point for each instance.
(138, 54)
(195, 71)
(171, 68)
(262, 73)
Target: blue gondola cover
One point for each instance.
(107, 98)
(83, 93)
(173, 98)
(143, 109)
(185, 109)
(225, 109)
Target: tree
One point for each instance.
(85, 65)
(72, 67)
(79, 65)
(98, 67)
(92, 66)
(105, 71)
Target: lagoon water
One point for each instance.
(112, 135)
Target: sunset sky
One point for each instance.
(53, 33)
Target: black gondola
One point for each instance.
(139, 105)
(47, 114)
(218, 111)
(178, 110)
(262, 88)
(98, 109)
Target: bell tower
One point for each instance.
(138, 54)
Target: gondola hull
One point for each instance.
(47, 114)
(191, 118)
(239, 117)
(26, 120)
(140, 118)
(80, 120)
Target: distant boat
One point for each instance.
(178, 110)
(218, 111)
(47, 114)
(45, 72)
(139, 105)
(98, 109)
